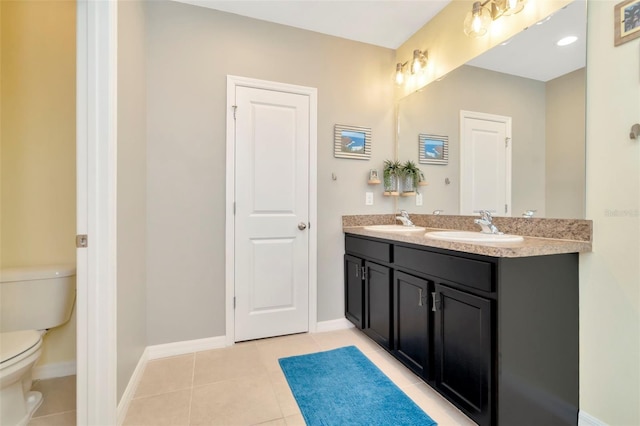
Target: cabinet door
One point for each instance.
(411, 322)
(354, 290)
(463, 365)
(378, 288)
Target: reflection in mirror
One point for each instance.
(541, 87)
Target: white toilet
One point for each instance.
(32, 300)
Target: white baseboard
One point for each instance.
(162, 351)
(333, 325)
(134, 381)
(191, 346)
(585, 419)
(186, 347)
(50, 371)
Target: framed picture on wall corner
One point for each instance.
(626, 21)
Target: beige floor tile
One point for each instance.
(286, 400)
(277, 422)
(438, 408)
(170, 409)
(244, 401)
(62, 419)
(59, 395)
(295, 420)
(166, 375)
(340, 338)
(281, 347)
(393, 369)
(242, 360)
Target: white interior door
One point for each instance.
(272, 135)
(485, 163)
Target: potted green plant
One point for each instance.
(411, 176)
(390, 176)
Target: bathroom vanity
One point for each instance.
(497, 335)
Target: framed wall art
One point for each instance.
(351, 142)
(433, 149)
(626, 21)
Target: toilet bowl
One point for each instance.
(20, 351)
(32, 300)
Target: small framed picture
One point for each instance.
(626, 21)
(434, 149)
(351, 142)
(373, 175)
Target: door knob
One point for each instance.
(302, 226)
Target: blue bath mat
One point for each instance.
(343, 387)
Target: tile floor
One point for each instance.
(59, 405)
(241, 385)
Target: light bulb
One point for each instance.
(514, 6)
(476, 24)
(418, 62)
(399, 74)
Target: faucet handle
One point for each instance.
(486, 215)
(404, 213)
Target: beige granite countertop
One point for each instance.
(579, 232)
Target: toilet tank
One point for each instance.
(37, 297)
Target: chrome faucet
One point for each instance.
(486, 223)
(438, 212)
(404, 218)
(528, 213)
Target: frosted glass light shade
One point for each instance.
(477, 21)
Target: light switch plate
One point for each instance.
(418, 199)
(368, 198)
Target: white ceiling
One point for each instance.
(533, 53)
(389, 23)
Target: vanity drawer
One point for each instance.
(468, 272)
(369, 249)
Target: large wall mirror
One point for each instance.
(540, 87)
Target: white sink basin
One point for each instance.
(395, 228)
(473, 237)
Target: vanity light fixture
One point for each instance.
(478, 20)
(399, 76)
(512, 7)
(416, 65)
(419, 61)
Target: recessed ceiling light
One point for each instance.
(567, 40)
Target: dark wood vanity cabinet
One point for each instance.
(412, 322)
(462, 350)
(498, 337)
(354, 290)
(377, 303)
(368, 292)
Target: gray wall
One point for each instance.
(132, 181)
(436, 110)
(190, 51)
(565, 153)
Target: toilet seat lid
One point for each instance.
(16, 343)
